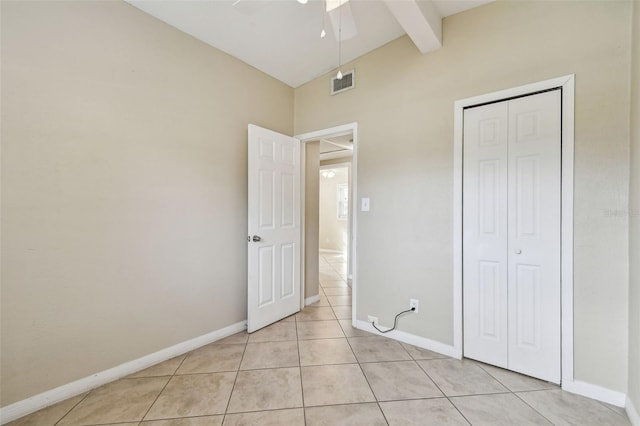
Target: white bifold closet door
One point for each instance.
(511, 234)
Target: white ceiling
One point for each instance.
(282, 37)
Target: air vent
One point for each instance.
(347, 82)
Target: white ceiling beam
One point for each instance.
(420, 20)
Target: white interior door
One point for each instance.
(511, 241)
(485, 233)
(273, 227)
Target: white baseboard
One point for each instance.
(595, 392)
(632, 413)
(414, 340)
(53, 396)
(589, 390)
(312, 299)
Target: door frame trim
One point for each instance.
(567, 84)
(324, 133)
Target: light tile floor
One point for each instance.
(312, 369)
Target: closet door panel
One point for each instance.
(485, 234)
(534, 219)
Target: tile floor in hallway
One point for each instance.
(312, 369)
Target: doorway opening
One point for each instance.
(334, 212)
(334, 236)
(329, 158)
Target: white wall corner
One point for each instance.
(632, 412)
(414, 340)
(420, 20)
(311, 300)
(61, 393)
(595, 392)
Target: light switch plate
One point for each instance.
(365, 205)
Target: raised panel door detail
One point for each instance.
(488, 196)
(288, 208)
(528, 289)
(528, 196)
(527, 126)
(266, 276)
(267, 149)
(287, 256)
(489, 300)
(489, 131)
(267, 195)
(288, 154)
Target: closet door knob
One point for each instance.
(517, 251)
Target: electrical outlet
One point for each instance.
(372, 319)
(413, 303)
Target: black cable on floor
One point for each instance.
(395, 321)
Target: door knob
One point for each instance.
(256, 238)
(516, 251)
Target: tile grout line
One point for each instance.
(533, 408)
(604, 404)
(443, 393)
(235, 380)
(304, 411)
(164, 387)
(72, 408)
(375, 396)
(514, 393)
(368, 383)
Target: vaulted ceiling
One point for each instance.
(282, 37)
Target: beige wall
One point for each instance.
(334, 233)
(403, 103)
(311, 219)
(123, 188)
(634, 209)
